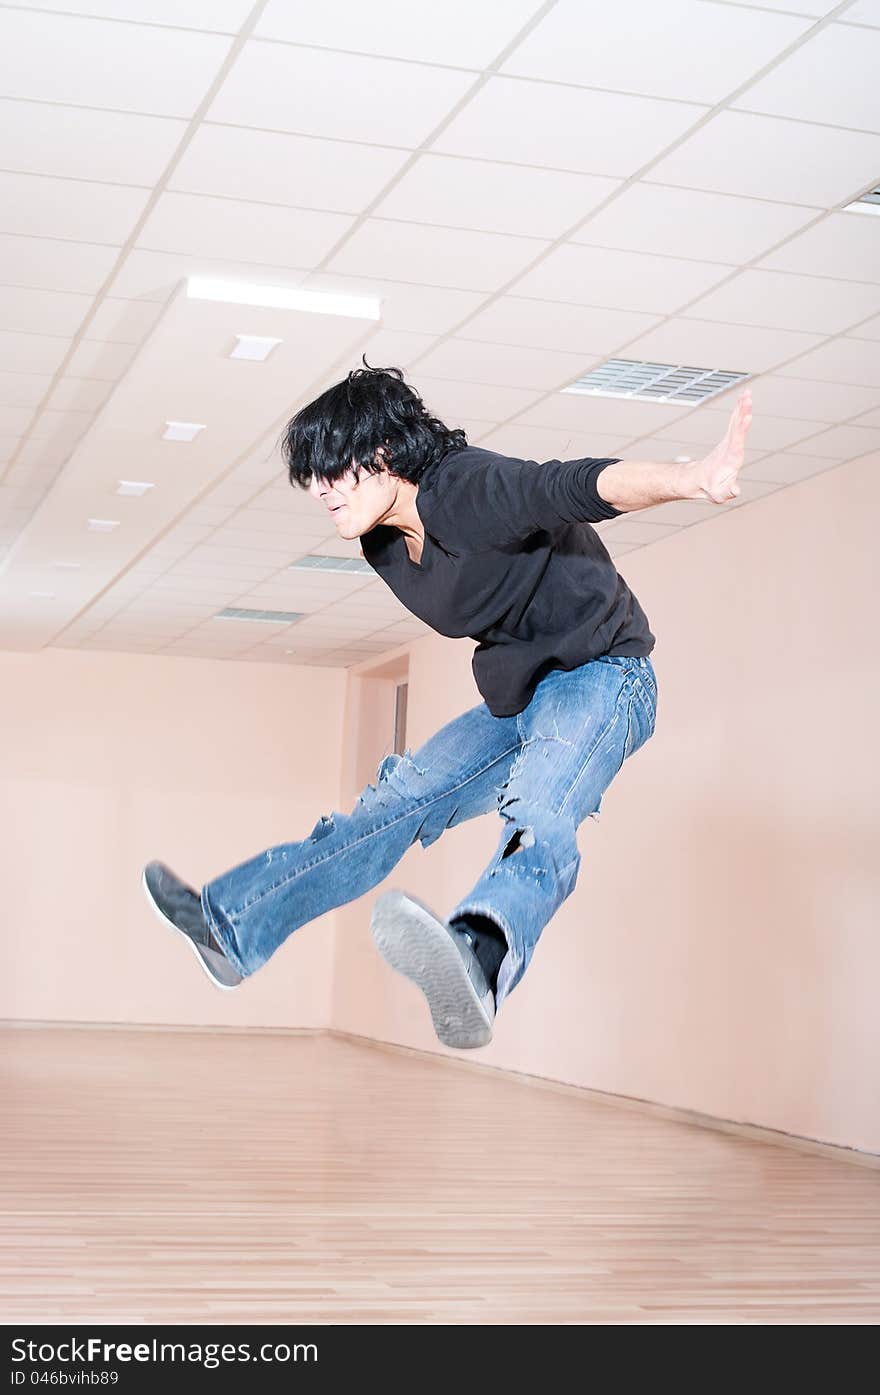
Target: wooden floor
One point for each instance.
(243, 1178)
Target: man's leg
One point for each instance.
(578, 729)
(456, 775)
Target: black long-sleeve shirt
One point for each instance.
(509, 559)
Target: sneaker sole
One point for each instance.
(227, 987)
(411, 939)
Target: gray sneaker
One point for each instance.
(181, 908)
(441, 962)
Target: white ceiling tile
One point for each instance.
(844, 360)
(187, 531)
(796, 397)
(438, 256)
(634, 529)
(79, 394)
(221, 573)
(48, 264)
(706, 427)
(831, 78)
(346, 96)
(651, 447)
(842, 442)
(14, 421)
(501, 364)
(93, 359)
(79, 143)
(340, 547)
(203, 226)
(173, 581)
(222, 16)
(40, 206)
(148, 275)
(30, 353)
(32, 478)
(786, 469)
(692, 223)
(320, 624)
(44, 455)
(799, 162)
(22, 389)
(508, 119)
(98, 63)
(524, 442)
(606, 419)
(115, 646)
(862, 12)
(396, 347)
(545, 324)
(281, 547)
(254, 522)
(60, 427)
(592, 44)
(470, 36)
(682, 512)
(493, 198)
(378, 645)
(422, 309)
(869, 330)
(475, 429)
(785, 300)
(842, 242)
(734, 348)
(445, 399)
(122, 321)
(408, 627)
(325, 586)
(268, 167)
(218, 553)
(619, 280)
(816, 8)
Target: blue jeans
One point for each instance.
(543, 770)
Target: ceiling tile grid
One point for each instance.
(526, 191)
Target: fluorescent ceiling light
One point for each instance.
(68, 566)
(273, 617)
(43, 595)
(254, 346)
(103, 525)
(182, 430)
(316, 561)
(282, 297)
(133, 487)
(869, 204)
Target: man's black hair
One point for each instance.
(371, 410)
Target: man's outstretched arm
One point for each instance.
(639, 484)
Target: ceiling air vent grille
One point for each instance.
(654, 382)
(317, 562)
(274, 617)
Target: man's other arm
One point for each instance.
(639, 484)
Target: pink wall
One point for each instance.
(720, 952)
(109, 760)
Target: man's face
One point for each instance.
(357, 501)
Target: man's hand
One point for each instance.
(714, 476)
